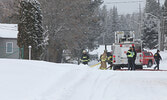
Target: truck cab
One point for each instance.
(148, 58)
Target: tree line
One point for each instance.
(54, 26)
(147, 24)
(112, 21)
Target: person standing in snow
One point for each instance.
(110, 59)
(84, 58)
(157, 58)
(130, 54)
(103, 59)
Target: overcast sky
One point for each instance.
(126, 6)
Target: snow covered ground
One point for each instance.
(38, 80)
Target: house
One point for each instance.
(8, 41)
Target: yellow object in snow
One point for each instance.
(95, 64)
(103, 68)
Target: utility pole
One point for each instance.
(161, 17)
(163, 33)
(104, 34)
(159, 35)
(163, 28)
(140, 20)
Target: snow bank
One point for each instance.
(38, 80)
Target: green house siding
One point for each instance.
(9, 48)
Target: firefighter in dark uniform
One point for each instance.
(157, 58)
(84, 58)
(130, 54)
(110, 59)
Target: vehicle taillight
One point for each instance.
(114, 59)
(140, 60)
(120, 45)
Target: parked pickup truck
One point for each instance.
(148, 58)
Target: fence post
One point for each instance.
(29, 52)
(22, 52)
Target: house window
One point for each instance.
(9, 47)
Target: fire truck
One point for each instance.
(124, 40)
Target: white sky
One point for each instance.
(124, 8)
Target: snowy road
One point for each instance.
(109, 85)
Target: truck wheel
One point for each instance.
(114, 68)
(141, 67)
(149, 64)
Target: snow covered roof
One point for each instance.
(8, 30)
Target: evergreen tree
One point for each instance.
(114, 25)
(110, 34)
(150, 33)
(110, 22)
(124, 24)
(115, 20)
(104, 23)
(150, 24)
(30, 28)
(165, 17)
(153, 7)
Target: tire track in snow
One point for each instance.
(74, 85)
(99, 87)
(94, 87)
(109, 84)
(68, 84)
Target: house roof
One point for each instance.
(8, 30)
